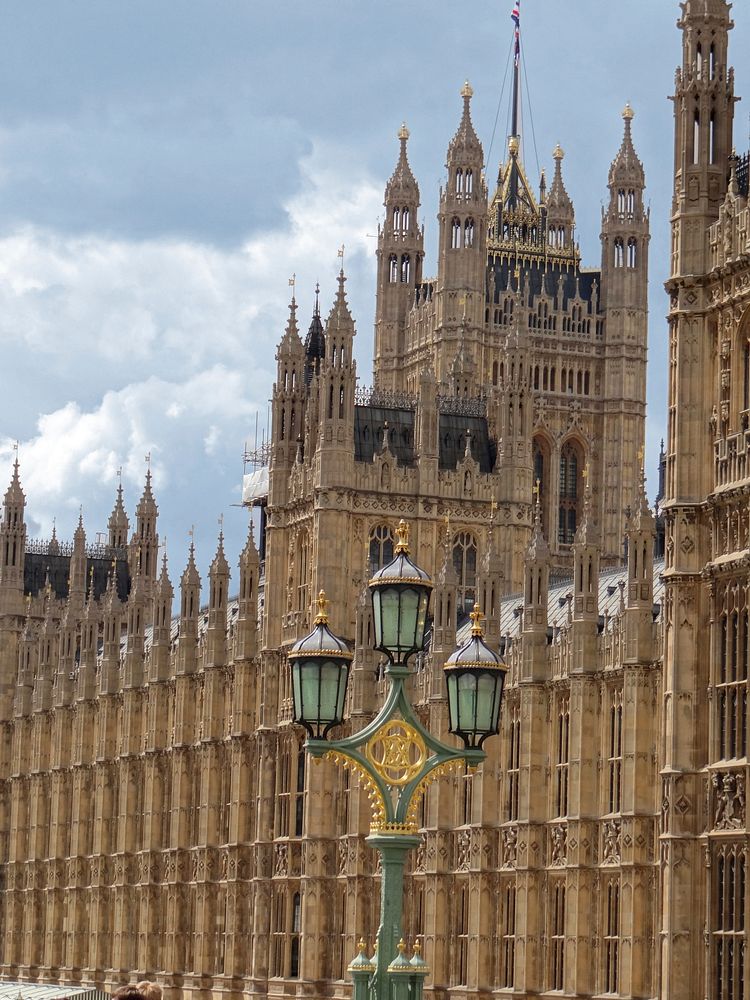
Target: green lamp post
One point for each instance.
(395, 756)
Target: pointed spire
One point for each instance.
(315, 343)
(340, 314)
(14, 495)
(219, 564)
(465, 146)
(291, 342)
(626, 167)
(118, 523)
(558, 198)
(403, 185)
(147, 505)
(190, 575)
(538, 549)
(587, 533)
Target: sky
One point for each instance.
(167, 165)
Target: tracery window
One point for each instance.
(461, 940)
(731, 680)
(612, 939)
(562, 741)
(393, 268)
(614, 755)
(465, 565)
(508, 935)
(729, 936)
(632, 252)
(557, 937)
(469, 233)
(541, 469)
(455, 234)
(513, 770)
(380, 551)
(619, 253)
(568, 512)
(303, 557)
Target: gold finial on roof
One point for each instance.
(403, 132)
(476, 621)
(401, 946)
(361, 944)
(513, 145)
(322, 616)
(558, 153)
(627, 113)
(417, 946)
(467, 91)
(402, 533)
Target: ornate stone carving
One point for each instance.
(510, 846)
(611, 842)
(729, 800)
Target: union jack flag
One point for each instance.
(516, 16)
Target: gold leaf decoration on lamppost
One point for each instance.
(397, 751)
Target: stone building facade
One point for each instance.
(157, 814)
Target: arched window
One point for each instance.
(586, 384)
(570, 475)
(621, 202)
(303, 555)
(393, 268)
(469, 233)
(631, 204)
(579, 383)
(494, 373)
(632, 252)
(561, 237)
(404, 219)
(541, 459)
(469, 182)
(699, 61)
(612, 940)
(619, 253)
(465, 565)
(396, 219)
(712, 138)
(455, 234)
(697, 137)
(459, 181)
(380, 551)
(712, 62)
(405, 268)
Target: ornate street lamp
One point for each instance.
(320, 671)
(400, 598)
(475, 676)
(395, 756)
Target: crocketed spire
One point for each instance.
(14, 495)
(627, 169)
(642, 519)
(147, 505)
(118, 523)
(315, 342)
(465, 147)
(538, 549)
(190, 576)
(340, 317)
(587, 534)
(402, 187)
(558, 199)
(291, 342)
(219, 564)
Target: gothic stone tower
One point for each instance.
(704, 831)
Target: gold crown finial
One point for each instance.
(476, 621)
(417, 946)
(402, 533)
(513, 145)
(403, 132)
(322, 616)
(401, 946)
(627, 113)
(467, 91)
(361, 944)
(559, 152)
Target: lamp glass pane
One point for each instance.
(390, 606)
(310, 690)
(467, 703)
(452, 684)
(407, 638)
(297, 692)
(330, 682)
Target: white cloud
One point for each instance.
(161, 346)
